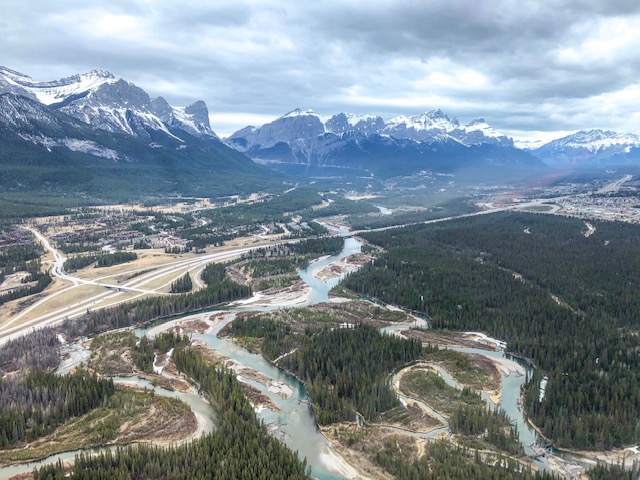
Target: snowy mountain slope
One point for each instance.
(480, 132)
(303, 125)
(115, 105)
(305, 138)
(365, 144)
(58, 90)
(589, 147)
(46, 151)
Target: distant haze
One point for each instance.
(533, 69)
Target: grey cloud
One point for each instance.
(268, 57)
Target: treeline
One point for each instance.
(213, 273)
(275, 335)
(182, 284)
(141, 311)
(23, 258)
(272, 210)
(340, 206)
(448, 209)
(487, 273)
(115, 258)
(240, 447)
(309, 247)
(346, 369)
(614, 472)
(42, 281)
(491, 426)
(38, 350)
(16, 258)
(200, 237)
(143, 354)
(35, 406)
(275, 266)
(73, 264)
(442, 461)
(101, 260)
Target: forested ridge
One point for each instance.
(346, 371)
(36, 405)
(240, 447)
(497, 274)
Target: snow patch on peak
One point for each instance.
(7, 72)
(58, 90)
(355, 118)
(480, 125)
(433, 120)
(594, 140)
(525, 144)
(300, 113)
(477, 121)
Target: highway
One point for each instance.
(17, 326)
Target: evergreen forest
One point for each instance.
(564, 300)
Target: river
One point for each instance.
(295, 424)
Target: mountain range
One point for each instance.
(93, 135)
(305, 140)
(589, 148)
(99, 136)
(302, 140)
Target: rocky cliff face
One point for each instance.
(367, 143)
(100, 99)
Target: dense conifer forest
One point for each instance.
(101, 260)
(346, 371)
(36, 405)
(240, 447)
(441, 461)
(39, 349)
(182, 284)
(566, 300)
(23, 258)
(143, 353)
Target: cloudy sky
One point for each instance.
(532, 68)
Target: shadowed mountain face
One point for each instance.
(591, 148)
(109, 103)
(364, 145)
(46, 151)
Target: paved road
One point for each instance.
(14, 327)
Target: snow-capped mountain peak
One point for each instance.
(300, 113)
(478, 131)
(527, 144)
(589, 147)
(479, 124)
(433, 120)
(597, 139)
(100, 99)
(55, 91)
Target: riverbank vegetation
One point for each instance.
(123, 354)
(240, 447)
(441, 460)
(40, 402)
(346, 371)
(219, 289)
(478, 426)
(126, 416)
(563, 299)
